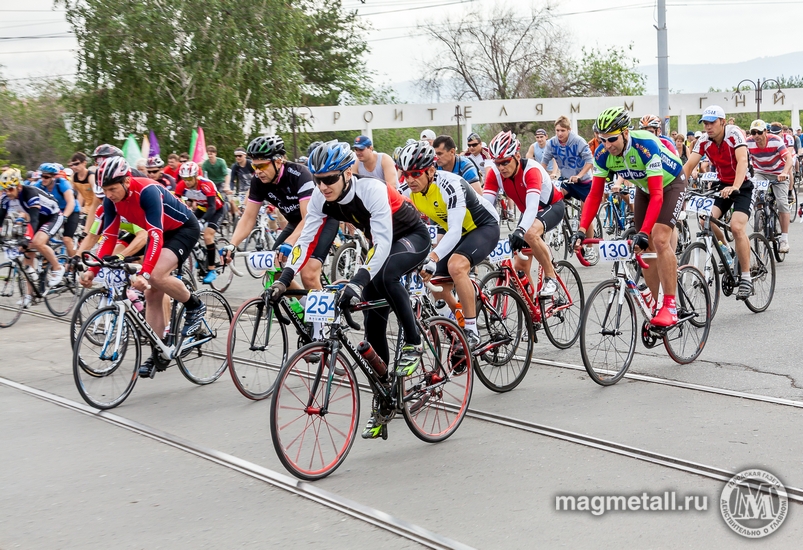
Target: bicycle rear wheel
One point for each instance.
(106, 358)
(312, 442)
(202, 356)
(685, 341)
(506, 331)
(256, 348)
(12, 294)
(437, 394)
(560, 314)
(697, 256)
(762, 273)
(793, 205)
(608, 332)
(773, 234)
(346, 261)
(62, 298)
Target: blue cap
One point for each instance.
(362, 142)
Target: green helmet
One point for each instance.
(612, 120)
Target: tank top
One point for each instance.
(377, 173)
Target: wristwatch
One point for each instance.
(146, 276)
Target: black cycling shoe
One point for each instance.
(193, 319)
(148, 368)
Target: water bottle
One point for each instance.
(525, 282)
(727, 252)
(443, 309)
(646, 295)
(136, 299)
(297, 308)
(32, 273)
(373, 359)
(458, 315)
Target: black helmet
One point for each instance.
(312, 146)
(106, 150)
(266, 148)
(417, 156)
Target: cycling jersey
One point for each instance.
(643, 156)
(450, 202)
(60, 187)
(770, 159)
(150, 206)
(464, 168)
(374, 207)
(293, 185)
(722, 156)
(668, 143)
(34, 202)
(205, 193)
(530, 189)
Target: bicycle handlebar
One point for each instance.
(433, 288)
(349, 319)
(112, 262)
(585, 262)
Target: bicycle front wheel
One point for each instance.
(685, 341)
(201, 357)
(560, 313)
(762, 273)
(608, 332)
(346, 261)
(437, 394)
(312, 441)
(62, 298)
(12, 294)
(225, 275)
(506, 333)
(88, 303)
(256, 348)
(106, 358)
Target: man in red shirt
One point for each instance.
(725, 146)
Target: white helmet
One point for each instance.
(110, 169)
(189, 170)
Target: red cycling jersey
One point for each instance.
(203, 192)
(723, 156)
(531, 177)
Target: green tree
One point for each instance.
(226, 65)
(611, 72)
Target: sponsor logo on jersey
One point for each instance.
(295, 254)
(669, 163)
(370, 255)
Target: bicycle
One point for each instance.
(507, 212)
(261, 239)
(608, 324)
(705, 250)
(107, 352)
(17, 282)
(617, 217)
(349, 256)
(766, 219)
(558, 315)
(315, 410)
(199, 260)
(571, 222)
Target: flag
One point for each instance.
(200, 148)
(146, 146)
(131, 150)
(193, 139)
(154, 150)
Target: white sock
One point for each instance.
(784, 237)
(471, 325)
(746, 276)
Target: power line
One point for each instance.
(38, 77)
(417, 8)
(39, 51)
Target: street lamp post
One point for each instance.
(758, 87)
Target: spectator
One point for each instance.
(428, 136)
(241, 172)
(216, 170)
(173, 166)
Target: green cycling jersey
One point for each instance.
(643, 156)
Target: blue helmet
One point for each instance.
(50, 168)
(332, 156)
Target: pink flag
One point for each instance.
(199, 155)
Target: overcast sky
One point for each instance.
(700, 31)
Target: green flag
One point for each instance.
(193, 139)
(131, 151)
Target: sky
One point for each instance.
(34, 43)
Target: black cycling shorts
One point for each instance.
(476, 245)
(214, 223)
(71, 224)
(50, 224)
(550, 216)
(741, 202)
(323, 241)
(674, 197)
(182, 240)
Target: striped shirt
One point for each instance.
(770, 159)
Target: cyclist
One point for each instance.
(372, 164)
(471, 225)
(652, 124)
(207, 204)
(287, 186)
(449, 161)
(241, 172)
(83, 181)
(400, 243)
(726, 149)
(641, 158)
(62, 191)
(155, 168)
(527, 184)
(772, 159)
(573, 159)
(44, 220)
(172, 232)
(104, 151)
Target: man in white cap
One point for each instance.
(725, 146)
(428, 136)
(773, 160)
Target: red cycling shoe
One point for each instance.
(666, 317)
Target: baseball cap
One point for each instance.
(540, 132)
(362, 142)
(689, 134)
(427, 134)
(775, 128)
(758, 124)
(698, 134)
(712, 113)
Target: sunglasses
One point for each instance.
(46, 176)
(74, 164)
(756, 132)
(328, 180)
(610, 139)
(153, 171)
(503, 162)
(473, 144)
(239, 156)
(261, 166)
(413, 174)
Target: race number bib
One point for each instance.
(761, 184)
(320, 307)
(614, 251)
(261, 261)
(433, 233)
(700, 205)
(12, 252)
(708, 176)
(112, 278)
(632, 191)
(416, 285)
(501, 252)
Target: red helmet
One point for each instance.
(649, 121)
(504, 145)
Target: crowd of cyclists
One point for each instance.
(159, 212)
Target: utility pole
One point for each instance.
(663, 66)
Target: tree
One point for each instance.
(226, 65)
(611, 72)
